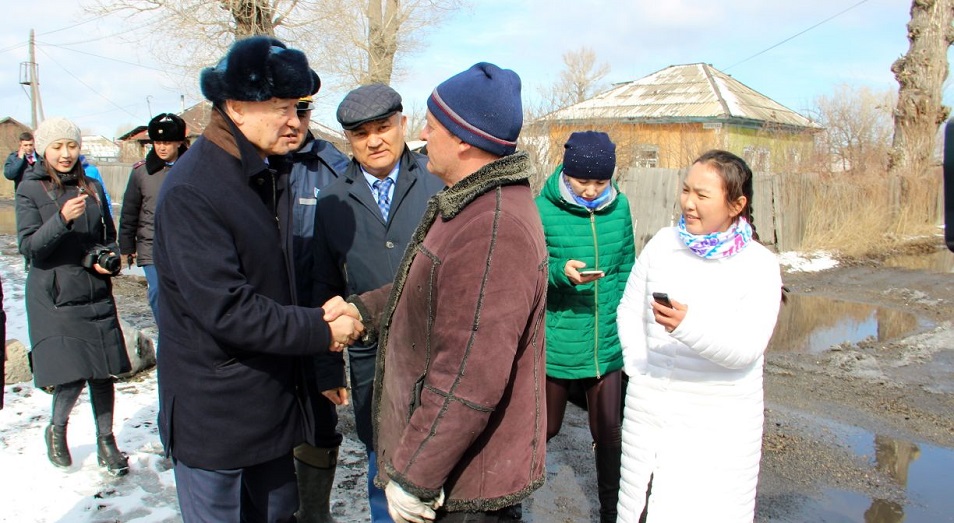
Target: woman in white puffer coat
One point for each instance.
(692, 425)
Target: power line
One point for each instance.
(101, 57)
(156, 20)
(836, 15)
(77, 24)
(87, 85)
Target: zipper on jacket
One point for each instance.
(596, 298)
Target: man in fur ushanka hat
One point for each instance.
(167, 132)
(232, 334)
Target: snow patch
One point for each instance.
(807, 262)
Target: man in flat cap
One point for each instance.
(315, 164)
(167, 132)
(232, 336)
(460, 417)
(363, 223)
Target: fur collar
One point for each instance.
(155, 164)
(509, 170)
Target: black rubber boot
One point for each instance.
(512, 513)
(607, 481)
(109, 456)
(315, 484)
(56, 447)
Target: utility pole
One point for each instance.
(29, 76)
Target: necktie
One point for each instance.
(383, 187)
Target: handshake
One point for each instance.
(345, 322)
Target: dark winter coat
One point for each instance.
(15, 168)
(71, 314)
(230, 331)
(138, 214)
(582, 340)
(355, 249)
(459, 400)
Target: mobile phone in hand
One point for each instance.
(591, 272)
(663, 299)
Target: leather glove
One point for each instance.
(403, 506)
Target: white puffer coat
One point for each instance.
(693, 414)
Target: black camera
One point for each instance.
(104, 257)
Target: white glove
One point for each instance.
(403, 506)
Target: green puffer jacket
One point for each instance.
(582, 341)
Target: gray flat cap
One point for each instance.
(367, 104)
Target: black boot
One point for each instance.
(315, 482)
(607, 481)
(109, 456)
(56, 448)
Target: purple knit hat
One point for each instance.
(482, 107)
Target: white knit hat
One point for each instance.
(53, 129)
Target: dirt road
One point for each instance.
(851, 433)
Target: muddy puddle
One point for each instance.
(813, 324)
(924, 474)
(941, 261)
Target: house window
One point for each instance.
(646, 156)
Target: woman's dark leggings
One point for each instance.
(102, 397)
(603, 402)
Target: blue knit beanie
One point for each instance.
(589, 155)
(482, 107)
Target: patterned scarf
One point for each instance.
(589, 204)
(718, 244)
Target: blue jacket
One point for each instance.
(230, 331)
(314, 166)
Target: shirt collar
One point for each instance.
(393, 175)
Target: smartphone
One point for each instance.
(591, 272)
(663, 299)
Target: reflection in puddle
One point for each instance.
(814, 324)
(8, 220)
(941, 261)
(925, 472)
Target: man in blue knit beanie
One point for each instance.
(459, 408)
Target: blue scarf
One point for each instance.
(589, 204)
(718, 244)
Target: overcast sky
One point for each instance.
(92, 76)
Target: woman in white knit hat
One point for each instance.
(66, 232)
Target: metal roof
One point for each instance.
(692, 92)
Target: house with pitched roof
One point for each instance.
(668, 118)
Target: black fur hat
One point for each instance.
(257, 69)
(167, 127)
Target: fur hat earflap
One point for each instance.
(257, 69)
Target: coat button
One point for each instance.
(389, 244)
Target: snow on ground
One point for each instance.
(33, 490)
(810, 262)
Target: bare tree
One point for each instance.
(357, 41)
(858, 128)
(921, 74)
(580, 79)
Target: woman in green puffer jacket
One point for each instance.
(589, 233)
